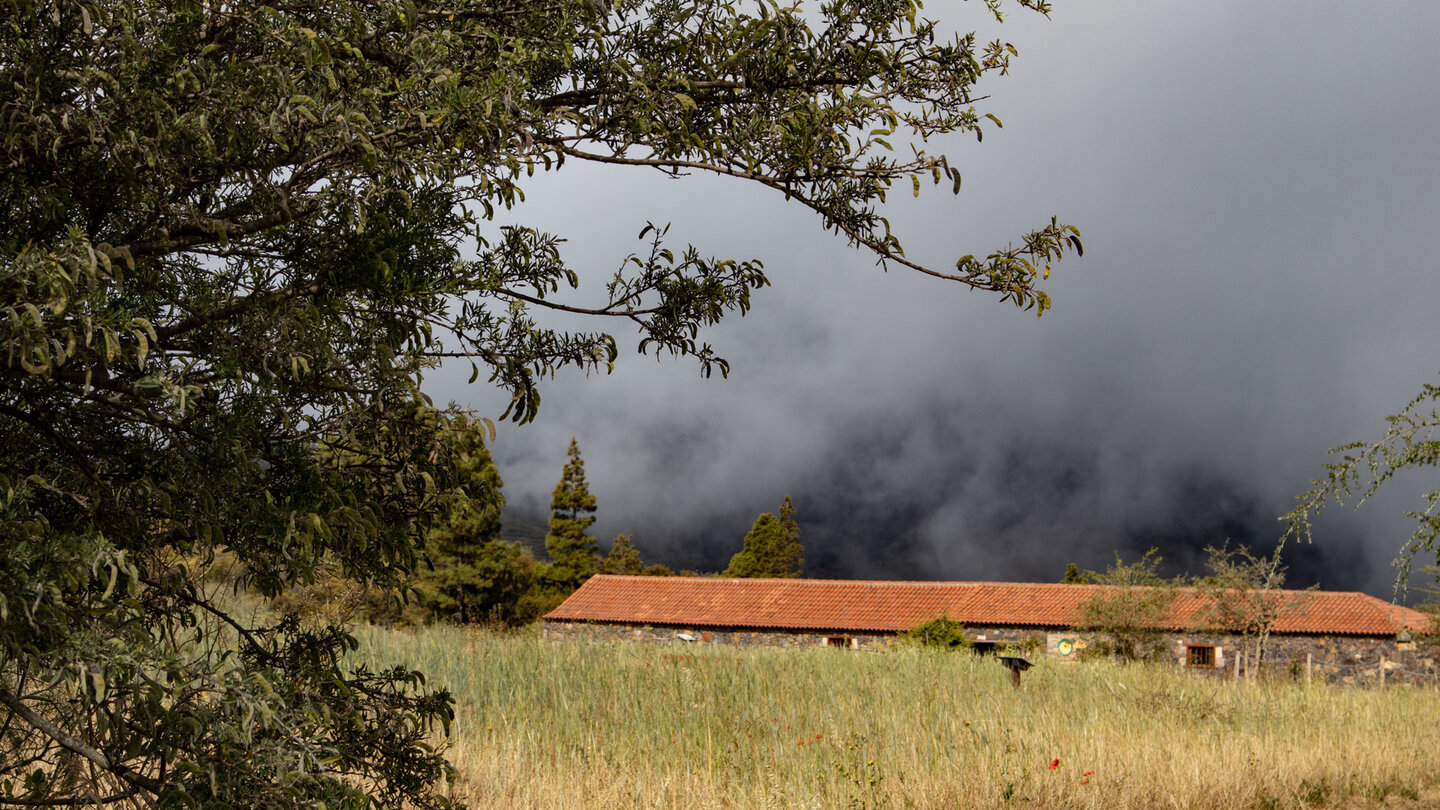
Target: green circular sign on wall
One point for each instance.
(1065, 646)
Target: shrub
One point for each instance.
(941, 631)
(1129, 617)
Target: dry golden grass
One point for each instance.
(571, 725)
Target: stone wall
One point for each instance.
(1350, 660)
(1333, 659)
(601, 633)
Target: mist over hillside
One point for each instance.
(1256, 186)
(1024, 521)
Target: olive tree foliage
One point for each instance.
(234, 236)
(1409, 444)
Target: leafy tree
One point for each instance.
(623, 558)
(772, 547)
(1409, 443)
(1130, 614)
(1073, 576)
(1429, 604)
(233, 238)
(1244, 596)
(468, 574)
(573, 552)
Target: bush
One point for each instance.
(1129, 617)
(941, 631)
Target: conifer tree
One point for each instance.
(772, 547)
(791, 552)
(624, 558)
(573, 552)
(471, 515)
(473, 575)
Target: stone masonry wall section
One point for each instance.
(1335, 659)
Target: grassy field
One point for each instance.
(570, 725)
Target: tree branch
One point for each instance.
(69, 802)
(530, 299)
(59, 735)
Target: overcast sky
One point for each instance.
(1258, 189)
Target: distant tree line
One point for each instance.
(470, 574)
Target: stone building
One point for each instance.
(1344, 637)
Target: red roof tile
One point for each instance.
(877, 606)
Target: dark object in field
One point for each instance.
(1016, 666)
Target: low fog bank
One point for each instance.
(1256, 187)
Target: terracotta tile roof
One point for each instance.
(878, 606)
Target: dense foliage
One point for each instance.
(470, 574)
(1129, 617)
(941, 631)
(235, 236)
(771, 548)
(623, 558)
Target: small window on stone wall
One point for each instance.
(842, 642)
(1200, 655)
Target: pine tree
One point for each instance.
(473, 575)
(487, 586)
(772, 547)
(573, 553)
(1073, 576)
(624, 558)
(471, 514)
(791, 553)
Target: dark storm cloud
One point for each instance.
(1257, 187)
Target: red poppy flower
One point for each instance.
(1085, 781)
(819, 736)
(1054, 763)
(1087, 773)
